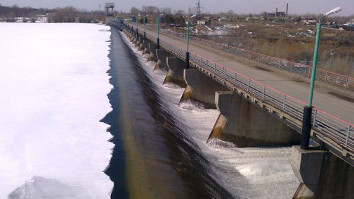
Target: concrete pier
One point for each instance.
(141, 46)
(137, 43)
(161, 63)
(200, 88)
(152, 50)
(321, 175)
(175, 71)
(146, 46)
(247, 125)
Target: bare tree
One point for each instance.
(230, 13)
(150, 10)
(180, 12)
(166, 10)
(134, 11)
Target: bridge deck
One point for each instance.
(324, 99)
(276, 92)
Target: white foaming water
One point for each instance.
(54, 88)
(244, 172)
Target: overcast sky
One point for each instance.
(238, 6)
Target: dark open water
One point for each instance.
(152, 158)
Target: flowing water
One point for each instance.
(160, 145)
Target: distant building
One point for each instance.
(201, 22)
(272, 15)
(309, 22)
(204, 21)
(42, 19)
(276, 14)
(349, 26)
(19, 19)
(133, 19)
(223, 19)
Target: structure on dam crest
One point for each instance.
(253, 114)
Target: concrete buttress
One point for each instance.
(248, 125)
(321, 175)
(200, 88)
(152, 49)
(175, 71)
(161, 63)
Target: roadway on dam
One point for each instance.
(335, 101)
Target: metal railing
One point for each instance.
(325, 124)
(304, 70)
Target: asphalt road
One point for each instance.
(330, 99)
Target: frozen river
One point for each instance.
(54, 87)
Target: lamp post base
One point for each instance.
(306, 128)
(187, 60)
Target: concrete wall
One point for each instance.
(161, 63)
(321, 175)
(246, 125)
(137, 43)
(152, 50)
(175, 71)
(200, 88)
(146, 46)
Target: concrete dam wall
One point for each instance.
(247, 124)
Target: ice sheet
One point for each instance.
(53, 92)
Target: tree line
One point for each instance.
(56, 15)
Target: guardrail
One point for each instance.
(325, 124)
(304, 70)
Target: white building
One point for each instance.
(201, 22)
(42, 19)
(223, 19)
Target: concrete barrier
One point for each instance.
(246, 125)
(175, 71)
(141, 46)
(137, 41)
(321, 175)
(200, 88)
(146, 46)
(152, 50)
(161, 63)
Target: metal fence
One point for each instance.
(329, 126)
(304, 70)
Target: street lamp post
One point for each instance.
(187, 53)
(307, 116)
(137, 29)
(158, 33)
(132, 28)
(144, 27)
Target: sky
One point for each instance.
(238, 6)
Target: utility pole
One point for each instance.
(198, 10)
(137, 28)
(287, 9)
(187, 53)
(144, 27)
(158, 32)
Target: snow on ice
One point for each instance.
(54, 88)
